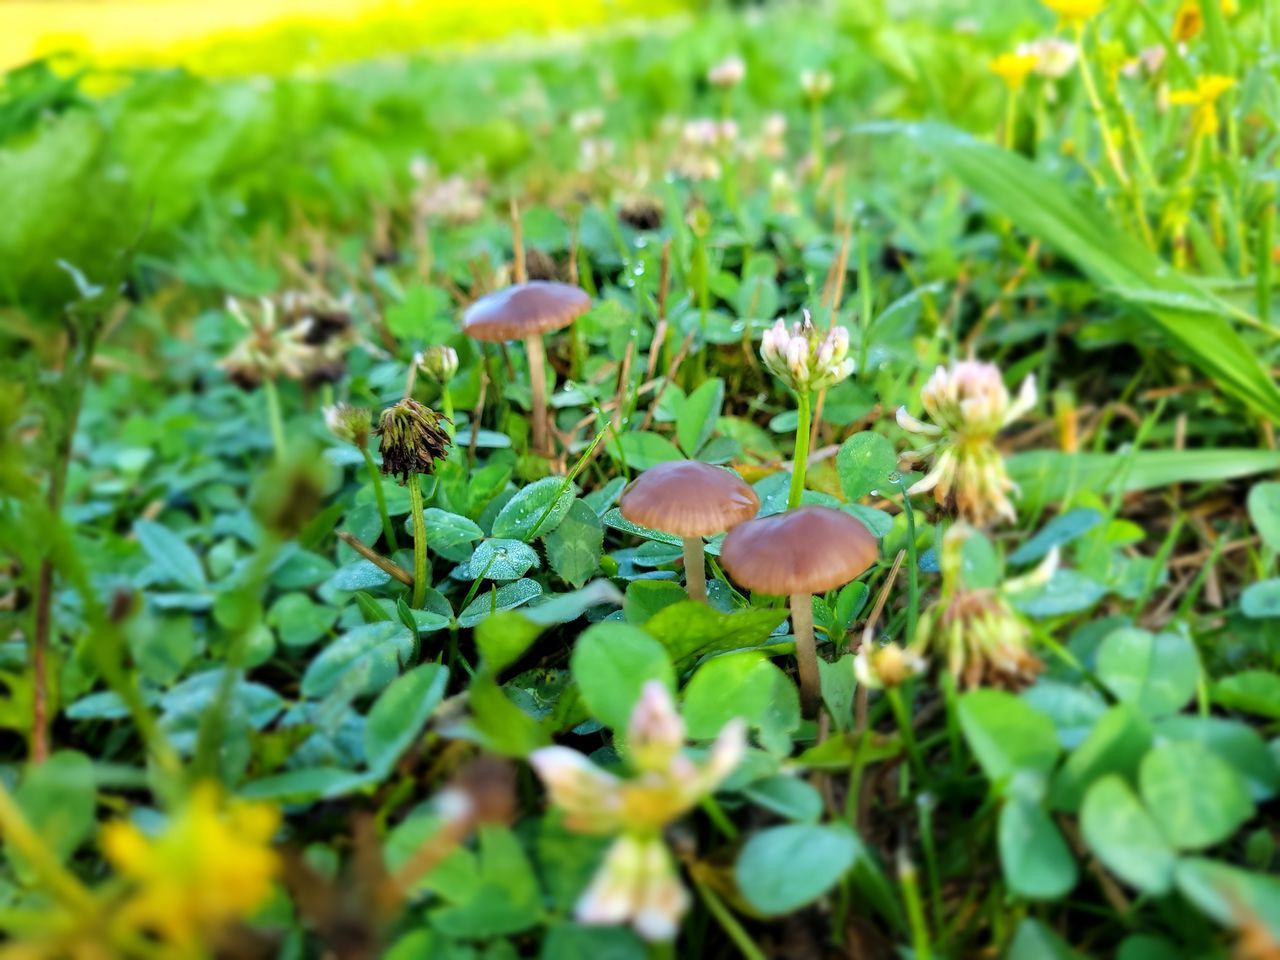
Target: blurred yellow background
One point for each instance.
(246, 36)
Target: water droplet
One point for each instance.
(895, 477)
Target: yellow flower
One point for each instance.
(1204, 116)
(1075, 11)
(212, 864)
(1188, 21)
(1013, 68)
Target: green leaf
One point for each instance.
(689, 629)
(1035, 941)
(171, 554)
(1049, 476)
(306, 785)
(1115, 745)
(1252, 691)
(449, 534)
(522, 517)
(400, 712)
(1007, 736)
(1196, 798)
(1229, 894)
(1237, 743)
(1039, 203)
(1264, 510)
(697, 416)
(838, 685)
(783, 868)
(502, 560)
(864, 464)
(1036, 861)
(1261, 600)
(299, 620)
(506, 899)
(611, 663)
(1157, 673)
(1058, 532)
(58, 798)
(1125, 837)
(642, 449)
(574, 548)
(742, 685)
(503, 639)
(570, 941)
(788, 797)
(372, 653)
(506, 597)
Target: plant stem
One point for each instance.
(446, 404)
(419, 542)
(1095, 101)
(816, 137)
(538, 390)
(915, 907)
(865, 302)
(903, 717)
(695, 574)
(1262, 259)
(375, 477)
(274, 418)
(806, 653)
(800, 459)
(728, 922)
(913, 565)
(19, 834)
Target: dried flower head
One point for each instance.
(805, 359)
(968, 404)
(303, 337)
(641, 213)
(349, 424)
(727, 73)
(452, 200)
(976, 633)
(412, 439)
(637, 883)
(439, 362)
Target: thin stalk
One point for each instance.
(800, 460)
(375, 477)
(728, 922)
(446, 407)
(806, 653)
(1010, 117)
(538, 390)
(915, 908)
(865, 303)
(19, 834)
(903, 717)
(695, 574)
(1114, 157)
(913, 565)
(816, 137)
(1262, 258)
(419, 542)
(274, 417)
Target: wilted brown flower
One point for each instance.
(412, 439)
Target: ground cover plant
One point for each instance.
(798, 482)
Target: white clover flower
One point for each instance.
(886, 666)
(638, 883)
(439, 362)
(975, 632)
(728, 73)
(1055, 57)
(804, 359)
(586, 122)
(968, 405)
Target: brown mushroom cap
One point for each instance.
(688, 498)
(806, 550)
(524, 310)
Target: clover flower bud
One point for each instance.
(816, 84)
(968, 405)
(440, 363)
(412, 439)
(728, 73)
(349, 424)
(804, 359)
(886, 666)
(656, 732)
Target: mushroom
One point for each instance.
(525, 312)
(797, 554)
(692, 500)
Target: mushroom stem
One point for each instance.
(695, 573)
(806, 653)
(538, 388)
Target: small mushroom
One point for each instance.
(525, 312)
(691, 500)
(797, 554)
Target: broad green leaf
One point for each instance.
(575, 546)
(450, 534)
(506, 597)
(176, 560)
(373, 653)
(1125, 838)
(611, 663)
(1035, 858)
(864, 464)
(1007, 736)
(57, 798)
(1223, 892)
(1261, 600)
(299, 620)
(400, 712)
(1252, 691)
(742, 685)
(1264, 510)
(689, 629)
(641, 449)
(697, 417)
(1239, 744)
(789, 797)
(536, 510)
(1156, 672)
(1197, 798)
(507, 899)
(1035, 941)
(501, 560)
(783, 868)
(1115, 745)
